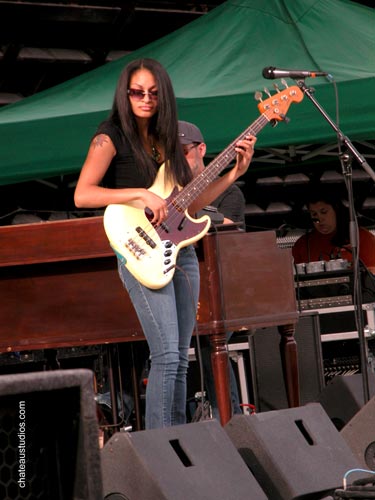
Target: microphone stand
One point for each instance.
(357, 292)
(357, 289)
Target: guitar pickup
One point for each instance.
(182, 224)
(165, 227)
(142, 233)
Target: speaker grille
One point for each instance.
(49, 437)
(34, 451)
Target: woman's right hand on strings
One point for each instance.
(157, 205)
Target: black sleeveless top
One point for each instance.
(123, 171)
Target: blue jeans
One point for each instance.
(167, 317)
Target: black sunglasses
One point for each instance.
(138, 94)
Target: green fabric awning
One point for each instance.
(216, 65)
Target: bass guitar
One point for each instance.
(150, 252)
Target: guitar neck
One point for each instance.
(213, 169)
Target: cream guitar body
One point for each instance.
(150, 253)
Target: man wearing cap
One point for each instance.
(228, 208)
(230, 205)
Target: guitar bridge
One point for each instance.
(135, 249)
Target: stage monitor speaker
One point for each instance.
(343, 397)
(360, 436)
(196, 460)
(267, 375)
(49, 436)
(293, 453)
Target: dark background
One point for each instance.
(46, 42)
(43, 43)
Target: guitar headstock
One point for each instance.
(277, 105)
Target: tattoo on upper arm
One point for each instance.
(99, 140)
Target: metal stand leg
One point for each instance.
(112, 350)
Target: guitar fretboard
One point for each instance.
(213, 169)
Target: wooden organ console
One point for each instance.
(59, 287)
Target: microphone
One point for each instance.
(271, 73)
(315, 219)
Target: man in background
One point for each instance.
(231, 203)
(228, 208)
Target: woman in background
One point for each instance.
(329, 238)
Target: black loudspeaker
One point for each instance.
(293, 453)
(343, 397)
(267, 375)
(360, 436)
(196, 460)
(49, 436)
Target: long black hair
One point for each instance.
(163, 125)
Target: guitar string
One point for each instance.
(280, 101)
(183, 199)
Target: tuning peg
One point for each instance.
(258, 96)
(276, 87)
(283, 81)
(286, 119)
(267, 91)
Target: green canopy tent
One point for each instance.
(216, 66)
